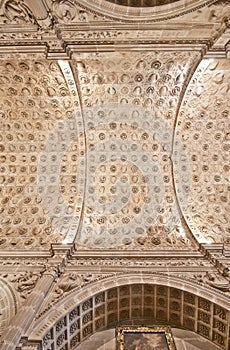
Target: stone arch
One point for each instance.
(132, 13)
(145, 299)
(8, 304)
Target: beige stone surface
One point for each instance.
(114, 171)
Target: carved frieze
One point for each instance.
(22, 262)
(135, 263)
(66, 11)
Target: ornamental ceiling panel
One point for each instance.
(204, 130)
(102, 162)
(129, 115)
(114, 156)
(91, 148)
(99, 162)
(35, 100)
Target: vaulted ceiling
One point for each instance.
(114, 120)
(114, 148)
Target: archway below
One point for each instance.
(140, 303)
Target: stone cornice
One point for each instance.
(46, 34)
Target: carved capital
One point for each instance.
(53, 271)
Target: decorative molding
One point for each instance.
(22, 52)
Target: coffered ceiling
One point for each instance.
(114, 135)
(114, 168)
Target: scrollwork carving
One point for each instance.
(66, 11)
(71, 281)
(15, 11)
(215, 281)
(24, 282)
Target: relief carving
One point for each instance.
(226, 273)
(24, 282)
(227, 21)
(66, 11)
(162, 236)
(15, 12)
(214, 280)
(22, 262)
(67, 283)
(216, 12)
(71, 281)
(94, 35)
(141, 262)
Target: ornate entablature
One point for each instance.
(56, 29)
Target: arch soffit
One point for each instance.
(77, 296)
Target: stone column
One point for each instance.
(24, 317)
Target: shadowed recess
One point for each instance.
(142, 3)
